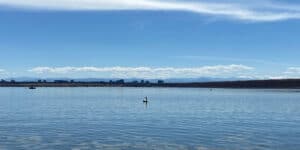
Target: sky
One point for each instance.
(150, 38)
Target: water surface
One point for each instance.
(175, 118)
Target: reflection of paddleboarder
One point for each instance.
(146, 104)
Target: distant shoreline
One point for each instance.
(271, 84)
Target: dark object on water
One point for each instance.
(32, 87)
(145, 100)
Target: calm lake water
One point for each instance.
(116, 118)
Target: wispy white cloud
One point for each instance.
(267, 77)
(2, 71)
(148, 72)
(234, 60)
(264, 10)
(289, 73)
(293, 71)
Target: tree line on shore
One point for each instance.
(120, 81)
(280, 83)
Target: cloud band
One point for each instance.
(261, 11)
(148, 72)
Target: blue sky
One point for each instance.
(149, 39)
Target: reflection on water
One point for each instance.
(173, 118)
(146, 104)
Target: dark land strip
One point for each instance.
(272, 84)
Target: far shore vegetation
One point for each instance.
(282, 83)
